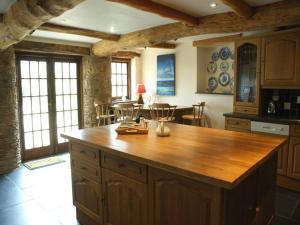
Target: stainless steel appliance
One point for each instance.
(271, 128)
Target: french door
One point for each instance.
(49, 100)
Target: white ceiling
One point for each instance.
(101, 15)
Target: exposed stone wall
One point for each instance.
(96, 86)
(10, 151)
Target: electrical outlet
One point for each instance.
(298, 99)
(275, 98)
(287, 106)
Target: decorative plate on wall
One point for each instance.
(224, 79)
(212, 84)
(224, 53)
(215, 56)
(224, 66)
(211, 67)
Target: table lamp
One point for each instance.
(140, 90)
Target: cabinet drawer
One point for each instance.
(295, 131)
(237, 124)
(86, 170)
(126, 167)
(247, 110)
(85, 153)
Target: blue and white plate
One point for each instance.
(224, 53)
(224, 79)
(212, 84)
(215, 56)
(224, 66)
(212, 67)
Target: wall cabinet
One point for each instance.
(247, 76)
(125, 200)
(281, 61)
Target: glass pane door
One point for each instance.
(66, 91)
(49, 103)
(35, 110)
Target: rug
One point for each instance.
(35, 164)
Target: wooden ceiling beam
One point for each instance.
(164, 46)
(41, 47)
(217, 40)
(160, 9)
(126, 54)
(278, 14)
(240, 7)
(78, 31)
(24, 16)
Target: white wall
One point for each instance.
(186, 82)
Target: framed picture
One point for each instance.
(166, 75)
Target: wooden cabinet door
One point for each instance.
(125, 200)
(175, 200)
(282, 160)
(280, 61)
(247, 76)
(294, 158)
(87, 196)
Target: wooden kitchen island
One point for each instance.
(196, 176)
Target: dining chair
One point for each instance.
(198, 115)
(126, 112)
(103, 114)
(164, 111)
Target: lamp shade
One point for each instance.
(140, 88)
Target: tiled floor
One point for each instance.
(44, 197)
(38, 197)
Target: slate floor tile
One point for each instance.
(11, 194)
(28, 213)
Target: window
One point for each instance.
(120, 78)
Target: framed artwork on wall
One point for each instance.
(166, 75)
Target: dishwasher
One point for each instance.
(275, 129)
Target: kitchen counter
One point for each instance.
(222, 158)
(195, 176)
(265, 118)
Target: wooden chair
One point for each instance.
(162, 111)
(103, 114)
(126, 112)
(198, 115)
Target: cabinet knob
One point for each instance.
(257, 209)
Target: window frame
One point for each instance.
(128, 61)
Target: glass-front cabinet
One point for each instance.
(247, 73)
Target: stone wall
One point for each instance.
(96, 79)
(10, 151)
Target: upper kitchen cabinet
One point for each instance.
(247, 76)
(281, 61)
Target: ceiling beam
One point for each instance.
(41, 47)
(160, 9)
(217, 40)
(24, 16)
(278, 14)
(164, 46)
(126, 54)
(240, 7)
(78, 31)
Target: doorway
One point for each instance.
(49, 102)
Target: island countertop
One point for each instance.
(219, 157)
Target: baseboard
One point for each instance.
(289, 183)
